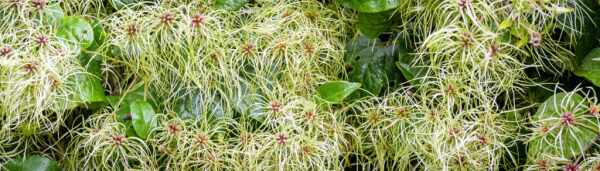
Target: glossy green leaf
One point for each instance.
(54, 14)
(90, 59)
(590, 68)
(336, 91)
(230, 5)
(248, 100)
(404, 64)
(372, 64)
(123, 109)
(77, 32)
(88, 92)
(90, 88)
(120, 4)
(373, 24)
(196, 105)
(410, 72)
(143, 118)
(562, 141)
(371, 6)
(32, 163)
(99, 35)
(137, 94)
(265, 73)
(92, 63)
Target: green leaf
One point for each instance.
(336, 91)
(54, 14)
(404, 60)
(505, 24)
(99, 35)
(120, 4)
(264, 73)
(90, 58)
(32, 163)
(515, 118)
(564, 141)
(373, 24)
(137, 94)
(77, 32)
(230, 5)
(247, 100)
(521, 34)
(88, 86)
(590, 69)
(588, 39)
(410, 72)
(143, 118)
(372, 63)
(195, 105)
(92, 63)
(87, 91)
(371, 6)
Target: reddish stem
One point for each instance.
(589, 146)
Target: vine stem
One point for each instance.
(123, 96)
(587, 148)
(586, 127)
(580, 155)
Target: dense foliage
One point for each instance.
(299, 85)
